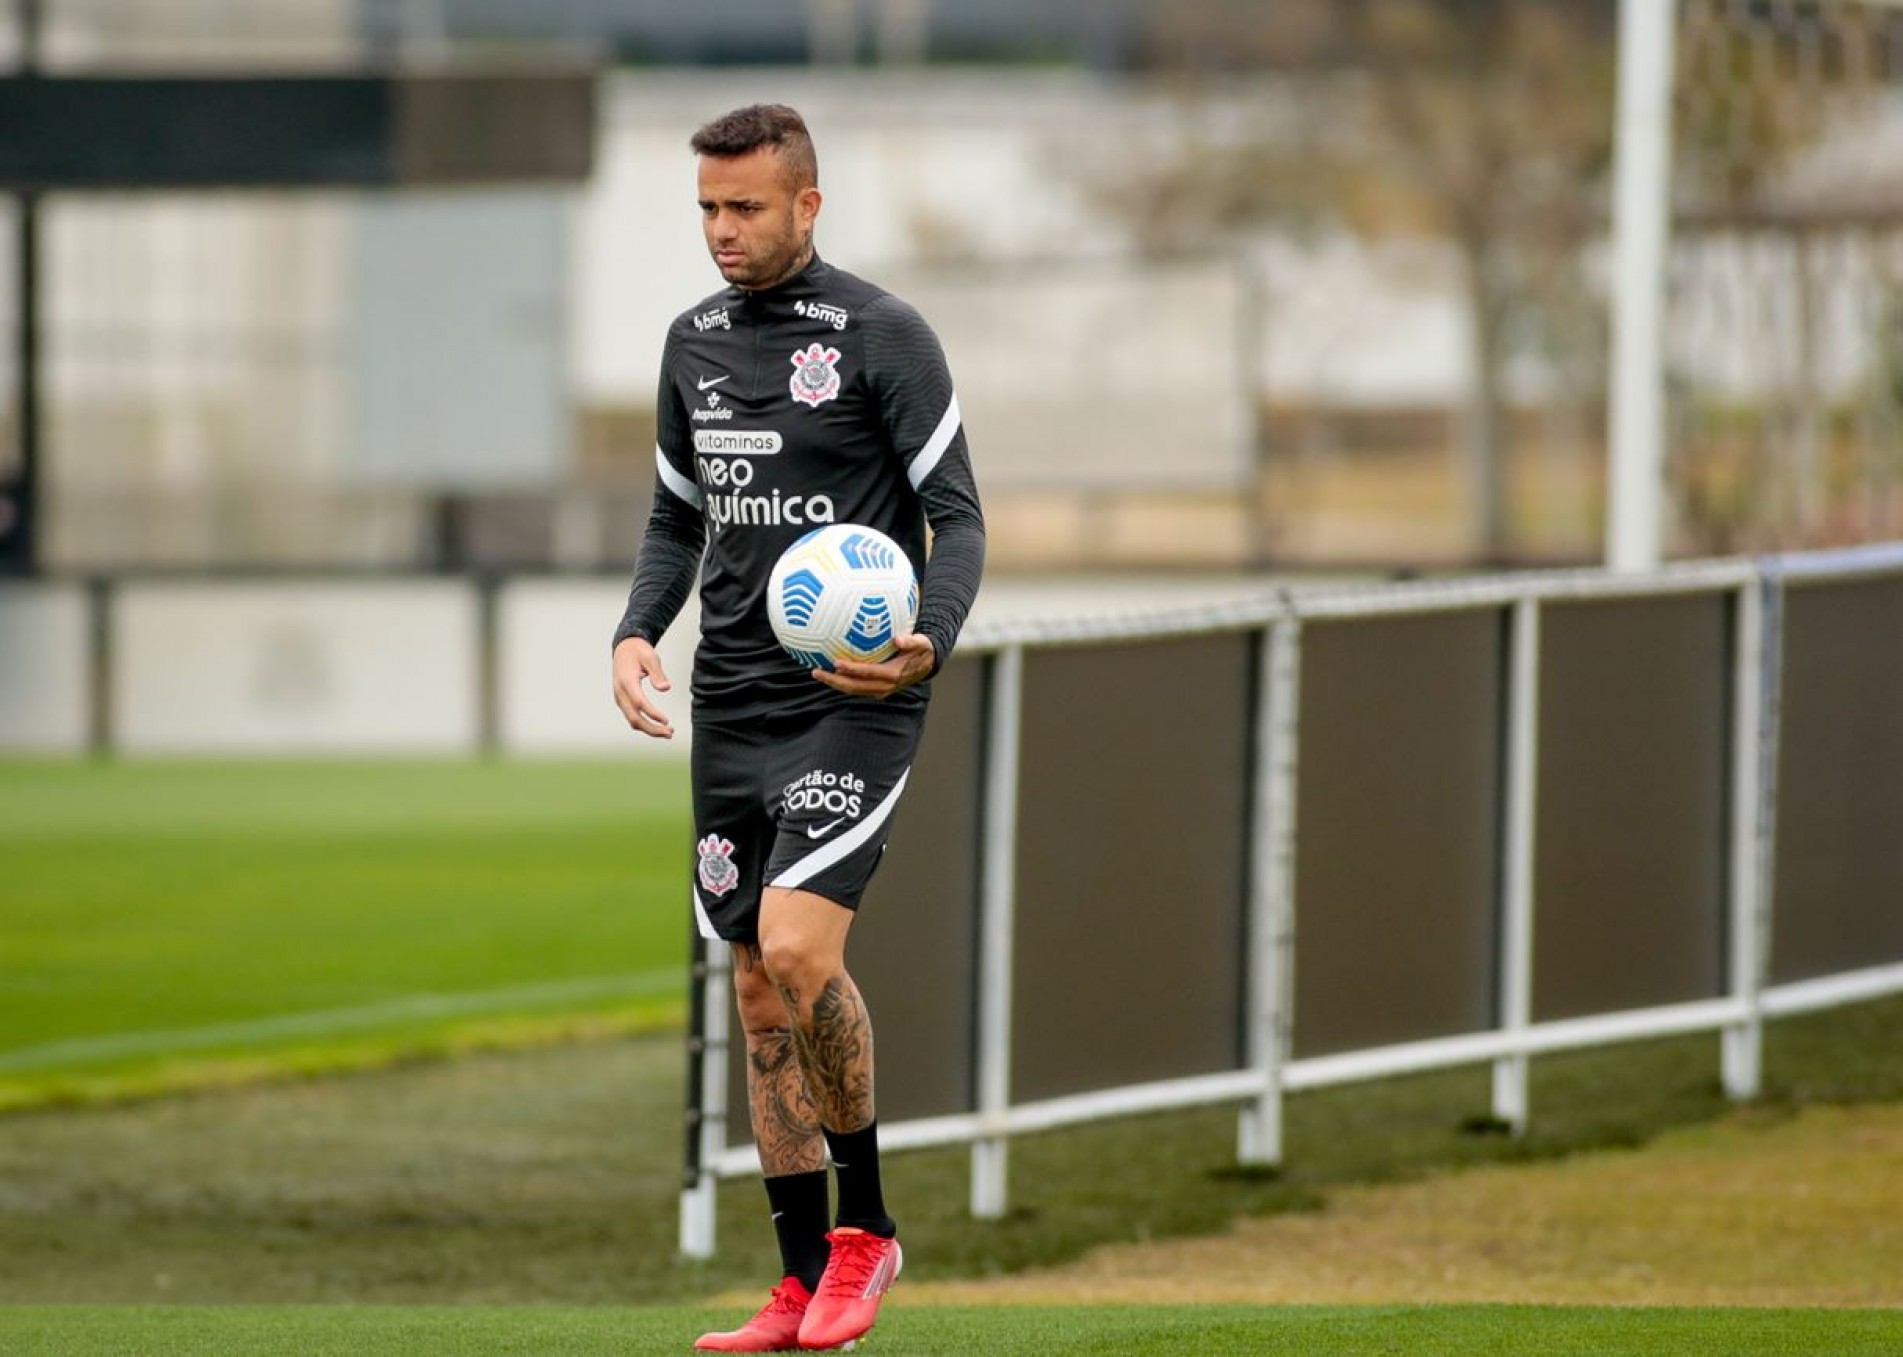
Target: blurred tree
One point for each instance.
(1487, 123)
(1785, 119)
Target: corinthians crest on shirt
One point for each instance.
(718, 875)
(815, 378)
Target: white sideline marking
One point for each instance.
(334, 1021)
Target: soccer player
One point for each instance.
(799, 395)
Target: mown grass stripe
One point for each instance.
(334, 1022)
(1129, 1331)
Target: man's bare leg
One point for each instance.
(803, 943)
(785, 1126)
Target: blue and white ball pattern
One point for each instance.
(842, 592)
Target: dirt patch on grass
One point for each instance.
(1763, 1208)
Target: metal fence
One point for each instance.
(1329, 836)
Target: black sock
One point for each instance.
(861, 1199)
(799, 1205)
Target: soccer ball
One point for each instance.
(842, 592)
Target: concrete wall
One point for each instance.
(326, 666)
(385, 664)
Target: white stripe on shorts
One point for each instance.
(701, 919)
(827, 854)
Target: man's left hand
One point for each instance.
(912, 664)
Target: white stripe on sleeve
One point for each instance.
(673, 479)
(935, 446)
(827, 854)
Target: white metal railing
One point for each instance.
(1278, 618)
(997, 909)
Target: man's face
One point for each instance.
(758, 226)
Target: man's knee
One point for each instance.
(795, 963)
(755, 994)
(802, 941)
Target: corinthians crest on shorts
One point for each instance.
(815, 379)
(718, 875)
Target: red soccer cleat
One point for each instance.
(775, 1329)
(860, 1271)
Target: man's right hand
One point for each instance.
(636, 663)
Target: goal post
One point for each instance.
(1758, 355)
(1641, 210)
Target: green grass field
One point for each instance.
(172, 926)
(1136, 1331)
(168, 925)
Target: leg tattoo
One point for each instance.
(785, 1124)
(834, 1043)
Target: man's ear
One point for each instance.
(807, 205)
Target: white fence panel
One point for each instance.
(332, 667)
(553, 691)
(45, 669)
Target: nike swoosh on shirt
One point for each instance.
(821, 831)
(703, 383)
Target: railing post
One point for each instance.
(1272, 887)
(1516, 874)
(101, 598)
(707, 1095)
(997, 908)
(1755, 660)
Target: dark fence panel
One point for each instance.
(360, 129)
(1131, 878)
(1131, 849)
(1396, 809)
(1838, 902)
(1630, 855)
(912, 949)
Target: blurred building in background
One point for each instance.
(1106, 34)
(1224, 285)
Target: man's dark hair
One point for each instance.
(748, 129)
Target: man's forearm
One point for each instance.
(664, 570)
(951, 584)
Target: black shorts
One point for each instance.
(804, 802)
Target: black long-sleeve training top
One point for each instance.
(822, 400)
